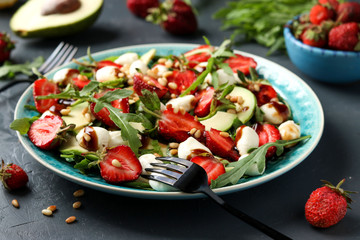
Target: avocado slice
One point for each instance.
(28, 22)
(76, 117)
(71, 146)
(249, 103)
(221, 121)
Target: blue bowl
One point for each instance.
(322, 64)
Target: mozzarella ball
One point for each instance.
(145, 161)
(46, 113)
(248, 139)
(116, 139)
(223, 77)
(63, 76)
(185, 102)
(187, 148)
(107, 73)
(138, 65)
(289, 130)
(127, 58)
(271, 114)
(159, 69)
(102, 135)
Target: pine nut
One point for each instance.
(240, 100)
(238, 108)
(162, 60)
(196, 118)
(173, 145)
(147, 78)
(151, 73)
(15, 203)
(151, 83)
(172, 85)
(121, 75)
(79, 193)
(228, 97)
(77, 204)
(65, 111)
(176, 110)
(87, 117)
(83, 78)
(116, 163)
(87, 137)
(162, 81)
(173, 151)
(231, 110)
(47, 212)
(157, 155)
(256, 87)
(168, 64)
(52, 208)
(167, 74)
(192, 131)
(224, 134)
(173, 95)
(197, 134)
(233, 99)
(85, 111)
(130, 82)
(70, 219)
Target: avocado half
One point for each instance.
(27, 22)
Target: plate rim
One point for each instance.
(140, 193)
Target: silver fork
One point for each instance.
(191, 178)
(63, 53)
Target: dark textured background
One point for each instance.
(279, 202)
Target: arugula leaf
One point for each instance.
(9, 70)
(115, 95)
(150, 100)
(257, 155)
(262, 20)
(22, 125)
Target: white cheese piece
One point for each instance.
(145, 161)
(46, 113)
(107, 73)
(64, 75)
(248, 139)
(127, 58)
(138, 65)
(116, 139)
(185, 102)
(271, 114)
(159, 69)
(103, 137)
(289, 130)
(186, 149)
(223, 77)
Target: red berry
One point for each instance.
(265, 94)
(241, 63)
(152, 85)
(334, 4)
(203, 101)
(314, 36)
(6, 45)
(198, 55)
(43, 87)
(12, 176)
(222, 146)
(120, 164)
(345, 37)
(348, 12)
(268, 133)
(320, 13)
(141, 8)
(327, 205)
(183, 80)
(213, 167)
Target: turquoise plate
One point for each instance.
(305, 105)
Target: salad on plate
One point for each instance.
(209, 105)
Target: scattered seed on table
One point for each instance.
(70, 219)
(47, 212)
(79, 193)
(15, 203)
(52, 208)
(77, 204)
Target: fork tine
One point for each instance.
(51, 57)
(170, 166)
(71, 55)
(168, 173)
(58, 58)
(64, 57)
(162, 179)
(181, 161)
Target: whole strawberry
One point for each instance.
(345, 37)
(175, 16)
(6, 45)
(314, 36)
(140, 7)
(12, 176)
(327, 205)
(348, 12)
(320, 13)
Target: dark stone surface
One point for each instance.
(280, 202)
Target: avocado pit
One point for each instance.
(60, 6)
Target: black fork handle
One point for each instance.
(14, 82)
(246, 218)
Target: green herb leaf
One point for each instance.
(22, 125)
(257, 155)
(150, 100)
(115, 95)
(9, 70)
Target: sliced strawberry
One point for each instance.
(204, 99)
(81, 81)
(198, 55)
(265, 94)
(213, 167)
(105, 63)
(241, 63)
(176, 126)
(183, 80)
(103, 114)
(43, 132)
(267, 133)
(120, 164)
(152, 85)
(43, 87)
(221, 146)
